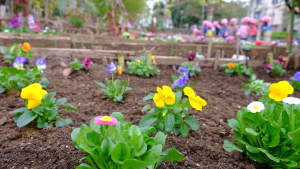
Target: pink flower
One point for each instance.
(201, 38)
(87, 62)
(229, 38)
(149, 35)
(269, 67)
(281, 61)
(111, 121)
(192, 57)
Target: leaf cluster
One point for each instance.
(16, 51)
(123, 146)
(115, 89)
(256, 86)
(143, 69)
(239, 69)
(76, 65)
(193, 70)
(45, 114)
(295, 84)
(278, 70)
(12, 78)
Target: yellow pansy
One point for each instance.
(196, 101)
(159, 98)
(168, 95)
(164, 95)
(138, 62)
(33, 93)
(280, 90)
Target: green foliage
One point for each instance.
(78, 22)
(114, 89)
(256, 86)
(23, 29)
(45, 114)
(239, 69)
(16, 51)
(143, 68)
(123, 146)
(191, 67)
(76, 65)
(281, 35)
(270, 136)
(294, 83)
(12, 78)
(278, 70)
(169, 118)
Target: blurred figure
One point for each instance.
(232, 28)
(204, 26)
(252, 30)
(224, 27)
(265, 29)
(209, 26)
(243, 31)
(217, 27)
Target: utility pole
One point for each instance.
(292, 26)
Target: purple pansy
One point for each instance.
(297, 76)
(269, 67)
(19, 62)
(41, 63)
(182, 69)
(181, 81)
(111, 67)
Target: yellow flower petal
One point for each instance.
(170, 100)
(189, 92)
(159, 100)
(168, 95)
(197, 102)
(280, 90)
(32, 103)
(286, 87)
(27, 92)
(160, 91)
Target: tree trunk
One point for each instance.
(210, 10)
(12, 8)
(46, 3)
(114, 27)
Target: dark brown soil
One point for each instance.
(29, 147)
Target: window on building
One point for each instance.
(258, 1)
(274, 1)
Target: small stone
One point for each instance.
(3, 120)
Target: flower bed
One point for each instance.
(34, 148)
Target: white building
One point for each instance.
(272, 8)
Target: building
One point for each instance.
(272, 8)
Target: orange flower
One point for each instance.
(230, 65)
(138, 62)
(120, 70)
(26, 46)
(154, 60)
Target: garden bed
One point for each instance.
(29, 147)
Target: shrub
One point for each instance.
(78, 22)
(139, 66)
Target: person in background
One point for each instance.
(232, 28)
(217, 27)
(243, 31)
(223, 29)
(209, 26)
(265, 23)
(252, 30)
(204, 27)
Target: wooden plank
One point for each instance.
(217, 60)
(209, 48)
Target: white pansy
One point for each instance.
(255, 107)
(291, 100)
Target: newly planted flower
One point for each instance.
(41, 64)
(76, 65)
(140, 67)
(275, 69)
(257, 86)
(181, 82)
(280, 90)
(16, 78)
(268, 132)
(87, 62)
(115, 89)
(113, 144)
(236, 68)
(193, 70)
(168, 116)
(17, 51)
(40, 107)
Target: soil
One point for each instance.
(32, 148)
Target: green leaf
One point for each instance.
(124, 83)
(13, 78)
(45, 82)
(146, 107)
(2, 89)
(119, 98)
(8, 56)
(169, 122)
(61, 101)
(178, 96)
(47, 125)
(84, 166)
(3, 48)
(120, 152)
(60, 123)
(149, 97)
(119, 116)
(133, 164)
(147, 130)
(107, 146)
(92, 138)
(20, 84)
(173, 155)
(100, 84)
(160, 138)
(26, 118)
(40, 123)
(229, 146)
(68, 121)
(192, 122)
(185, 129)
(19, 110)
(134, 131)
(153, 155)
(114, 135)
(295, 137)
(252, 132)
(71, 107)
(82, 143)
(74, 135)
(233, 123)
(148, 120)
